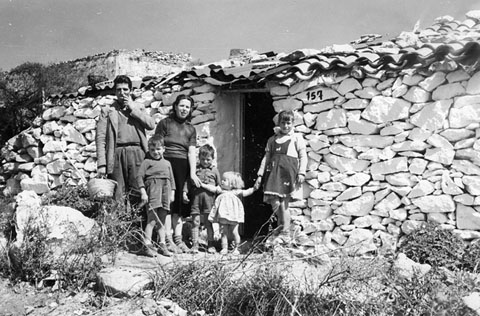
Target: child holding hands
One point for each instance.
(204, 197)
(228, 209)
(157, 188)
(283, 168)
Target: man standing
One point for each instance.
(121, 139)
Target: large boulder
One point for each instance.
(123, 281)
(61, 226)
(407, 268)
(130, 274)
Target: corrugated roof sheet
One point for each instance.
(445, 40)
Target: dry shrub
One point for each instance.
(74, 196)
(195, 286)
(263, 285)
(471, 257)
(32, 261)
(433, 245)
(119, 228)
(439, 292)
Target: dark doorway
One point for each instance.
(258, 127)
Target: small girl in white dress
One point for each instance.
(228, 209)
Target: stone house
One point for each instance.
(392, 130)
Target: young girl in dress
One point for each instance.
(282, 169)
(228, 209)
(157, 188)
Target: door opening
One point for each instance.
(258, 127)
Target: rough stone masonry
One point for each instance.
(386, 154)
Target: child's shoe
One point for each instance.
(180, 244)
(163, 250)
(194, 249)
(224, 251)
(211, 249)
(183, 247)
(150, 251)
(172, 247)
(283, 238)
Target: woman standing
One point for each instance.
(180, 142)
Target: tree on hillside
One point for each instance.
(59, 78)
(21, 93)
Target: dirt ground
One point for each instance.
(25, 299)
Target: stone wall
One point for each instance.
(385, 154)
(60, 148)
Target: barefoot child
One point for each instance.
(157, 189)
(204, 197)
(228, 210)
(283, 169)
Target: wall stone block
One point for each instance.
(412, 80)
(359, 126)
(331, 119)
(366, 221)
(367, 93)
(394, 165)
(470, 154)
(422, 188)
(350, 194)
(318, 94)
(473, 84)
(360, 241)
(455, 135)
(318, 107)
(348, 85)
(432, 82)
(410, 226)
(458, 75)
(357, 207)
(472, 184)
(386, 109)
(319, 213)
(448, 91)
(398, 214)
(466, 167)
(85, 125)
(417, 95)
(440, 155)
(440, 203)
(467, 218)
(464, 116)
(432, 116)
(87, 112)
(53, 113)
(346, 164)
(287, 104)
(355, 104)
(465, 199)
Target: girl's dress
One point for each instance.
(228, 208)
(282, 169)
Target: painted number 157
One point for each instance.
(314, 95)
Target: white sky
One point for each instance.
(59, 30)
